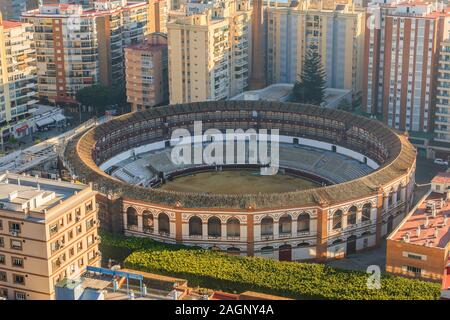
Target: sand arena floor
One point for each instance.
(238, 182)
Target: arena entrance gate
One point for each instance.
(351, 245)
(285, 253)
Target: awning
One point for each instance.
(59, 117)
(45, 121)
(22, 128)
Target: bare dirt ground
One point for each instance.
(237, 182)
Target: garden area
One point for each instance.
(220, 271)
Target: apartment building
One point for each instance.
(78, 47)
(147, 83)
(209, 51)
(400, 63)
(336, 32)
(442, 114)
(158, 16)
(48, 232)
(18, 91)
(419, 246)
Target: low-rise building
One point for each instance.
(48, 232)
(147, 72)
(419, 246)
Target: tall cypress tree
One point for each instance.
(310, 88)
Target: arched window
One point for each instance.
(234, 251)
(233, 228)
(214, 227)
(132, 219)
(267, 251)
(163, 223)
(267, 227)
(366, 209)
(147, 220)
(337, 220)
(284, 225)
(399, 193)
(303, 222)
(195, 226)
(390, 199)
(351, 216)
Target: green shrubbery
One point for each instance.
(297, 280)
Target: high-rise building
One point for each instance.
(17, 72)
(400, 63)
(258, 70)
(209, 51)
(48, 232)
(77, 47)
(442, 113)
(147, 72)
(158, 16)
(337, 33)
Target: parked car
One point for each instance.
(441, 162)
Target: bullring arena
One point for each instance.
(344, 181)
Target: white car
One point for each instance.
(441, 162)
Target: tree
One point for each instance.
(345, 105)
(310, 88)
(100, 97)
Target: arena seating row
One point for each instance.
(329, 165)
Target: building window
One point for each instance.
(14, 227)
(3, 277)
(20, 295)
(3, 293)
(77, 214)
(414, 256)
(2, 259)
(337, 220)
(79, 246)
(53, 229)
(89, 206)
(18, 279)
(17, 262)
(2, 242)
(90, 224)
(69, 218)
(1, 224)
(80, 262)
(414, 270)
(16, 244)
(79, 229)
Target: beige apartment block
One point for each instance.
(336, 31)
(158, 16)
(78, 46)
(48, 232)
(209, 51)
(146, 72)
(17, 70)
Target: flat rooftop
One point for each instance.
(18, 190)
(434, 230)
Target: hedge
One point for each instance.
(219, 271)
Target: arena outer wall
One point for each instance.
(315, 224)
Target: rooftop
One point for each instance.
(21, 192)
(11, 24)
(427, 225)
(442, 177)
